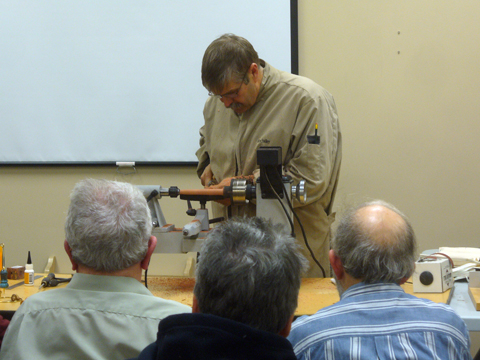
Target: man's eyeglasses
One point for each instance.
(232, 94)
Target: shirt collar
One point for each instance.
(107, 283)
(266, 76)
(363, 289)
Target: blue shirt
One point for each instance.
(381, 321)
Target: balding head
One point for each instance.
(375, 243)
(380, 222)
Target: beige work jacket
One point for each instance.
(286, 111)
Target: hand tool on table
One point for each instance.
(50, 281)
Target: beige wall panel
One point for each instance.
(34, 203)
(406, 79)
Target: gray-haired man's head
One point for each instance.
(249, 271)
(376, 243)
(108, 225)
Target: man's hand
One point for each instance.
(208, 179)
(207, 176)
(227, 182)
(223, 183)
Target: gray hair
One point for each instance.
(108, 225)
(375, 255)
(227, 59)
(249, 271)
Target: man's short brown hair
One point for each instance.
(227, 59)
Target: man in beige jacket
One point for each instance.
(252, 105)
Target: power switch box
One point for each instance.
(432, 276)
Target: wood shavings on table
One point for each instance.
(172, 288)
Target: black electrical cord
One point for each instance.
(296, 217)
(303, 232)
(150, 197)
(146, 274)
(283, 206)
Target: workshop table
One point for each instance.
(315, 293)
(461, 302)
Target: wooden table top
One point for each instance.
(315, 293)
(18, 288)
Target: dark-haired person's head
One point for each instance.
(250, 271)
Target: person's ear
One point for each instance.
(255, 71)
(337, 265)
(68, 250)
(286, 330)
(152, 243)
(195, 308)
